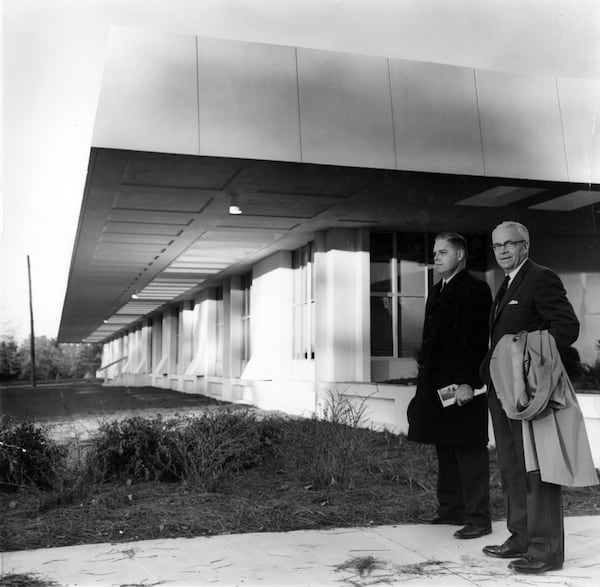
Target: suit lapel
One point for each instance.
(512, 288)
(435, 297)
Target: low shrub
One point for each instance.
(198, 450)
(132, 448)
(207, 448)
(332, 450)
(29, 458)
(587, 376)
(589, 379)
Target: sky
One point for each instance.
(53, 54)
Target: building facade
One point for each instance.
(257, 220)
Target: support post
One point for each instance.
(32, 337)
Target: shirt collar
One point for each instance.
(446, 281)
(512, 274)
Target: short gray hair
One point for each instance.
(520, 228)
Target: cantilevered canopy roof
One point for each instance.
(157, 226)
(306, 140)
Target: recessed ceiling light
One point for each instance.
(234, 205)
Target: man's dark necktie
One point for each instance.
(501, 293)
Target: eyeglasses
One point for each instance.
(508, 245)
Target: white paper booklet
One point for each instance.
(448, 394)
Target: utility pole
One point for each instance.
(31, 325)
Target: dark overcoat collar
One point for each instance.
(437, 295)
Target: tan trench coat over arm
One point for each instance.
(533, 386)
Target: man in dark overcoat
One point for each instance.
(455, 341)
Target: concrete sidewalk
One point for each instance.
(381, 555)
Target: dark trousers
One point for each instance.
(534, 514)
(463, 485)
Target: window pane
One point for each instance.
(246, 340)
(177, 322)
(412, 259)
(412, 278)
(382, 343)
(296, 259)
(303, 306)
(297, 279)
(477, 260)
(298, 350)
(313, 330)
(219, 333)
(381, 247)
(411, 246)
(410, 325)
(306, 320)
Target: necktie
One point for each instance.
(501, 293)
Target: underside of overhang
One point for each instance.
(156, 228)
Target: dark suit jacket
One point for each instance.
(535, 300)
(455, 341)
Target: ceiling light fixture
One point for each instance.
(234, 205)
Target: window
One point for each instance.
(219, 330)
(246, 284)
(176, 334)
(157, 331)
(399, 284)
(304, 302)
(150, 348)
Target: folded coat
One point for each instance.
(532, 385)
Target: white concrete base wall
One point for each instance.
(590, 407)
(296, 398)
(385, 407)
(292, 397)
(382, 406)
(133, 380)
(386, 369)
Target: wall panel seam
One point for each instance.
(389, 64)
(198, 96)
(479, 122)
(562, 129)
(298, 104)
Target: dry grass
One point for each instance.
(268, 498)
(300, 486)
(24, 580)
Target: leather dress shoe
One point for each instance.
(533, 566)
(439, 520)
(470, 531)
(506, 550)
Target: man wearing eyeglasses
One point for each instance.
(531, 298)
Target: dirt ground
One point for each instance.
(75, 409)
